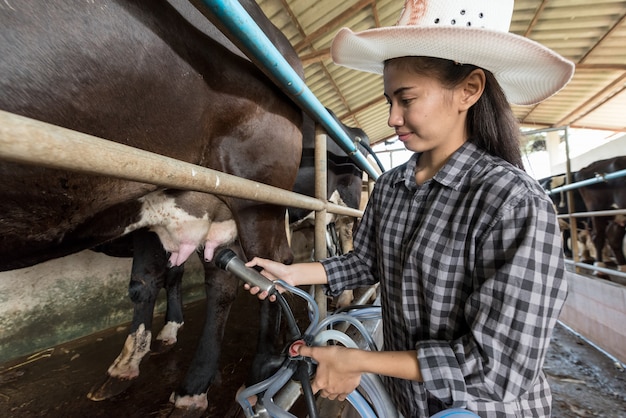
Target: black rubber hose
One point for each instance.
(291, 320)
(302, 374)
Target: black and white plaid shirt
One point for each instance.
(471, 275)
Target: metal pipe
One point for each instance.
(288, 395)
(226, 259)
(616, 362)
(605, 270)
(28, 141)
(569, 187)
(367, 296)
(611, 212)
(542, 130)
(599, 178)
(321, 192)
(570, 198)
(343, 210)
(255, 44)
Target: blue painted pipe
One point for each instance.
(260, 49)
(600, 178)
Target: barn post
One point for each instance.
(570, 202)
(321, 193)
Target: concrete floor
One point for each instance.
(585, 383)
(55, 383)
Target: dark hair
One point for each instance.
(491, 124)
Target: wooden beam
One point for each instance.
(533, 22)
(363, 107)
(606, 34)
(596, 101)
(323, 30)
(610, 67)
(314, 57)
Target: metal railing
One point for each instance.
(599, 178)
(28, 141)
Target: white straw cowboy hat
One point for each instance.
(465, 31)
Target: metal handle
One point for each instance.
(227, 259)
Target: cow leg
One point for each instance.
(149, 265)
(615, 234)
(567, 236)
(190, 399)
(586, 246)
(599, 236)
(265, 360)
(168, 336)
(623, 267)
(262, 233)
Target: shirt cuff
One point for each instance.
(442, 374)
(332, 267)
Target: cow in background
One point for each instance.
(607, 195)
(344, 187)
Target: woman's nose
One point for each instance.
(395, 117)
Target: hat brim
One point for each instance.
(527, 71)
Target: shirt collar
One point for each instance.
(451, 174)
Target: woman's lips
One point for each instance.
(403, 136)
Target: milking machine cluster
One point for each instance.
(370, 399)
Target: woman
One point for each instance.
(465, 245)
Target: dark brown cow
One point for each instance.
(136, 72)
(607, 195)
(151, 271)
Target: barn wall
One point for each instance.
(542, 164)
(68, 298)
(596, 309)
(608, 150)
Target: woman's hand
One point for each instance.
(338, 372)
(273, 270)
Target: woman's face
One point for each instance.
(425, 115)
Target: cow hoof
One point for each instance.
(189, 406)
(160, 347)
(110, 387)
(187, 412)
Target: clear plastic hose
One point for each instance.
(254, 390)
(331, 319)
(371, 384)
(360, 405)
(277, 383)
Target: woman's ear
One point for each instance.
(472, 88)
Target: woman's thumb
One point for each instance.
(305, 350)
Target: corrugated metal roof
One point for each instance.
(592, 34)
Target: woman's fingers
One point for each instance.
(333, 396)
(261, 295)
(332, 379)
